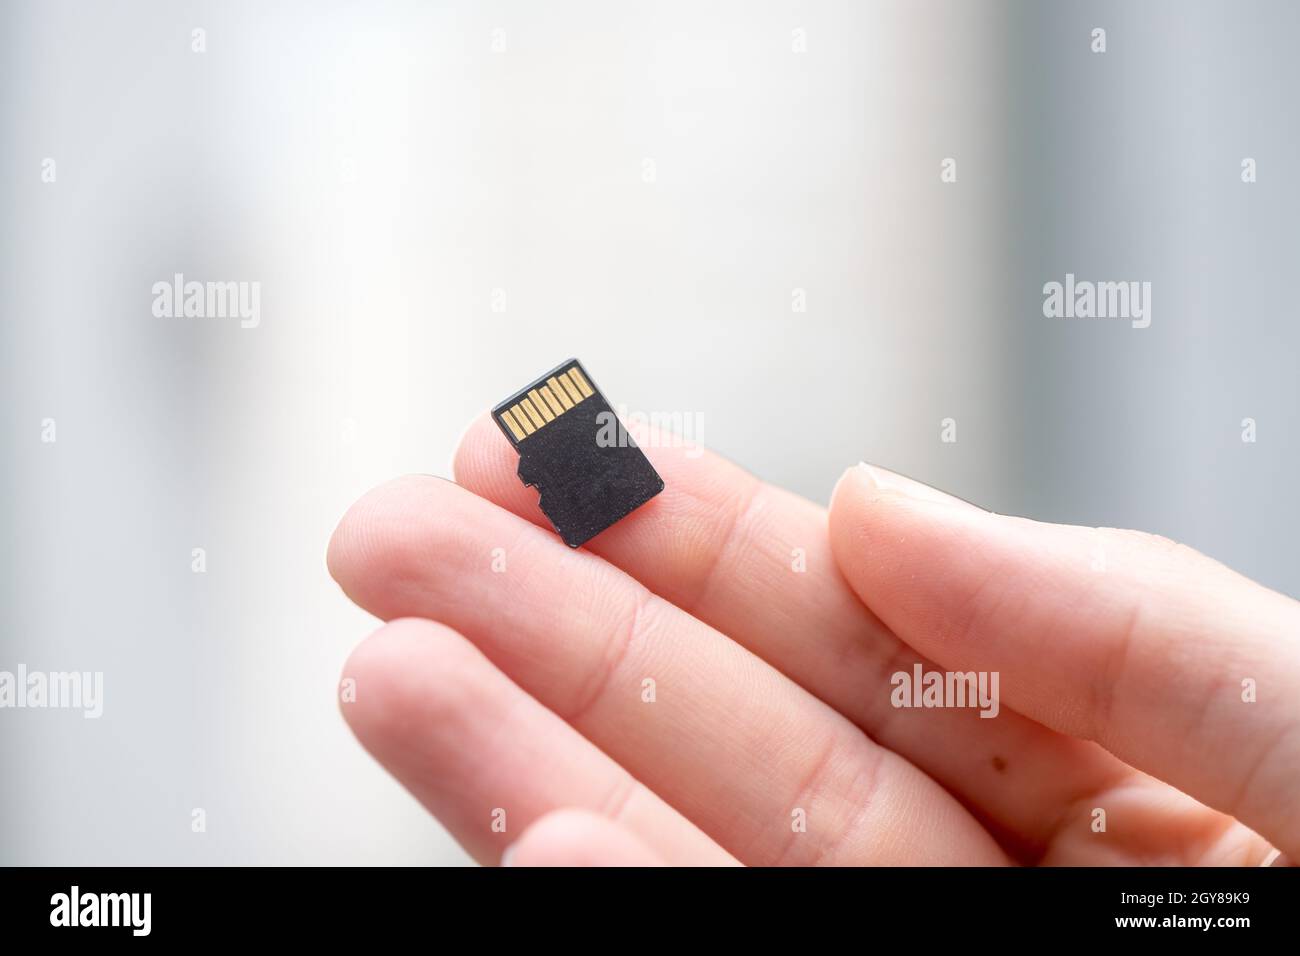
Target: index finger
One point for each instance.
(754, 561)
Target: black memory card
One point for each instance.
(575, 452)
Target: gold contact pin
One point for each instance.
(527, 406)
(541, 406)
(555, 406)
(515, 430)
(522, 419)
(545, 403)
(569, 387)
(558, 391)
(587, 390)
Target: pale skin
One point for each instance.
(1137, 678)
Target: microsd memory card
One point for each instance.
(575, 452)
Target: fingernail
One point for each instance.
(877, 476)
(892, 481)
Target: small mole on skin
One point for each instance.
(999, 765)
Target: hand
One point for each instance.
(677, 692)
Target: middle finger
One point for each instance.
(769, 771)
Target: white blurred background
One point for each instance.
(392, 173)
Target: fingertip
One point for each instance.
(365, 519)
(388, 541)
(409, 672)
(874, 481)
(853, 484)
(574, 837)
(485, 464)
(473, 447)
(860, 509)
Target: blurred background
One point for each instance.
(733, 210)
